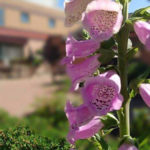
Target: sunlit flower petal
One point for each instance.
(112, 75)
(78, 115)
(85, 131)
(74, 10)
(81, 71)
(102, 94)
(127, 147)
(142, 30)
(78, 49)
(117, 102)
(144, 90)
(102, 19)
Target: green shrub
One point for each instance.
(141, 127)
(24, 139)
(141, 122)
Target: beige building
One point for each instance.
(24, 27)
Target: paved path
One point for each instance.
(18, 95)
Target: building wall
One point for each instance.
(35, 32)
(33, 45)
(36, 23)
(39, 17)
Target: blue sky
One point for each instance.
(135, 4)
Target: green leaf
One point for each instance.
(107, 68)
(109, 121)
(106, 55)
(143, 12)
(147, 81)
(134, 84)
(85, 34)
(130, 140)
(121, 1)
(102, 69)
(135, 69)
(102, 142)
(144, 143)
(107, 132)
(132, 94)
(108, 44)
(131, 53)
(96, 142)
(22, 138)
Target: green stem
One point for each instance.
(122, 39)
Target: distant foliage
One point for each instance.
(54, 49)
(23, 139)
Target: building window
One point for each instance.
(25, 17)
(51, 23)
(1, 17)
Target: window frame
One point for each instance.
(51, 23)
(25, 17)
(2, 16)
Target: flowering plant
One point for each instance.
(104, 88)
